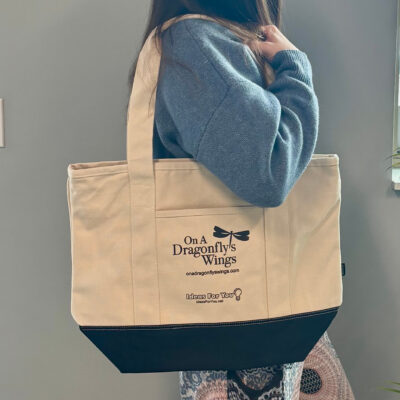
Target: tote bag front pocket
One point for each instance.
(211, 264)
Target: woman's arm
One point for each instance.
(257, 141)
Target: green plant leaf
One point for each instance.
(387, 389)
(391, 390)
(394, 165)
(392, 155)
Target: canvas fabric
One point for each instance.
(164, 241)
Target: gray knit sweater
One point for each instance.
(214, 109)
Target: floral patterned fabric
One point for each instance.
(319, 376)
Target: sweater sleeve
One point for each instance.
(257, 141)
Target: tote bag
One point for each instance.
(172, 271)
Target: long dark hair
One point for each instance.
(243, 17)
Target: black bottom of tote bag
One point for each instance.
(211, 346)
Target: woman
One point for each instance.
(238, 97)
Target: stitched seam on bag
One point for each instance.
(131, 263)
(194, 168)
(197, 215)
(107, 173)
(290, 254)
(265, 262)
(317, 314)
(178, 169)
(158, 273)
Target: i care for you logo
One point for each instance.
(212, 253)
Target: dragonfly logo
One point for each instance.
(222, 233)
(217, 253)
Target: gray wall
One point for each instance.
(63, 72)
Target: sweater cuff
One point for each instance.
(293, 59)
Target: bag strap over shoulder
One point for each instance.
(140, 124)
(141, 110)
(142, 103)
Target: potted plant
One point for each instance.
(396, 389)
(395, 156)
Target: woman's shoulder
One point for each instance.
(202, 28)
(194, 40)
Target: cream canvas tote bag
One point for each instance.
(172, 271)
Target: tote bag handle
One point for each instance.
(139, 147)
(142, 108)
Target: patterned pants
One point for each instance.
(319, 377)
